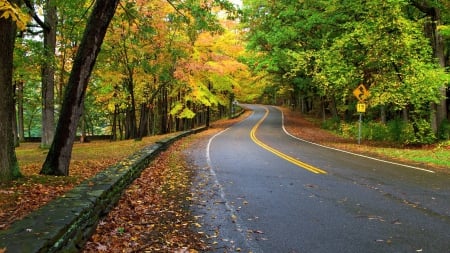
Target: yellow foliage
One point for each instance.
(8, 10)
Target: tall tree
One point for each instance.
(58, 158)
(48, 26)
(48, 74)
(9, 168)
(433, 10)
(336, 45)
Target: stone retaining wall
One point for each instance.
(66, 223)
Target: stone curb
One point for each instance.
(66, 223)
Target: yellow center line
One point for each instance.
(278, 153)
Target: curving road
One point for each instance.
(261, 190)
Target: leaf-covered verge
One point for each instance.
(435, 157)
(156, 205)
(153, 214)
(32, 191)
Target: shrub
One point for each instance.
(375, 131)
(395, 129)
(332, 124)
(418, 131)
(444, 130)
(423, 132)
(349, 130)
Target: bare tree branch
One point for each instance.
(36, 18)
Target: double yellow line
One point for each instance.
(280, 154)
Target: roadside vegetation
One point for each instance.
(429, 156)
(32, 190)
(167, 66)
(161, 194)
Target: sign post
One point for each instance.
(361, 108)
(361, 93)
(359, 128)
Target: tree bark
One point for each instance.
(9, 168)
(131, 130)
(20, 110)
(48, 74)
(383, 114)
(14, 121)
(439, 110)
(83, 138)
(58, 158)
(114, 123)
(143, 122)
(208, 110)
(163, 107)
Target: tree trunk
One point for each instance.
(405, 114)
(20, 118)
(58, 158)
(383, 114)
(208, 109)
(9, 168)
(333, 107)
(83, 129)
(48, 74)
(114, 123)
(439, 110)
(164, 110)
(143, 122)
(131, 128)
(14, 121)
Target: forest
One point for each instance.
(74, 70)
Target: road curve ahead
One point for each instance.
(265, 191)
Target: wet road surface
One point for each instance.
(257, 190)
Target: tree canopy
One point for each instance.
(166, 65)
(322, 50)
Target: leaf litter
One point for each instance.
(154, 211)
(159, 222)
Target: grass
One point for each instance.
(435, 157)
(29, 153)
(438, 156)
(19, 197)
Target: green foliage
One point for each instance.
(444, 130)
(422, 132)
(397, 130)
(325, 49)
(374, 131)
(332, 124)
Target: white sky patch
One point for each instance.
(236, 2)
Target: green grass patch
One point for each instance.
(439, 156)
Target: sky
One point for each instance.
(237, 2)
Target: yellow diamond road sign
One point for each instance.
(361, 93)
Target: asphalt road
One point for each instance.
(261, 190)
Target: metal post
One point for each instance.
(359, 128)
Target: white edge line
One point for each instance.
(240, 227)
(348, 152)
